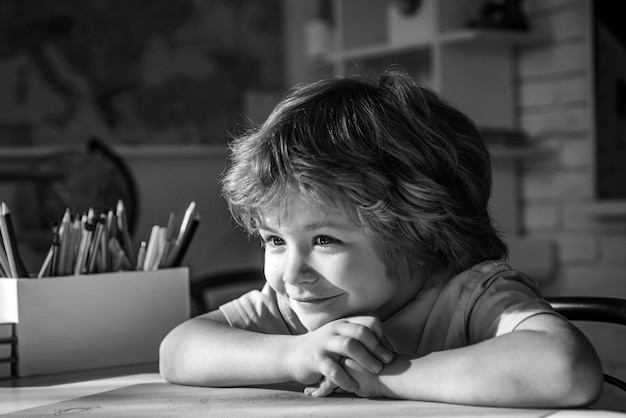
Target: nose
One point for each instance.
(297, 268)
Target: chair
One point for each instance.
(593, 309)
(582, 308)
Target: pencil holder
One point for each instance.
(73, 323)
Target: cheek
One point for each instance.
(371, 278)
(273, 273)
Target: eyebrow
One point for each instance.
(330, 224)
(317, 225)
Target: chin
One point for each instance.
(313, 322)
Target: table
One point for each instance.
(148, 395)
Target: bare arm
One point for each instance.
(206, 351)
(546, 362)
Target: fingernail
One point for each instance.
(309, 391)
(377, 367)
(387, 356)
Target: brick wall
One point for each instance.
(556, 109)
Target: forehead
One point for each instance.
(302, 212)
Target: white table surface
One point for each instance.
(14, 399)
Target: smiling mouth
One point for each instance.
(315, 300)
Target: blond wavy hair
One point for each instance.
(404, 163)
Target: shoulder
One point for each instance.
(496, 298)
(467, 287)
(487, 277)
(260, 311)
(477, 304)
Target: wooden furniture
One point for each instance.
(593, 309)
(148, 395)
(473, 67)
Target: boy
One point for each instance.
(384, 272)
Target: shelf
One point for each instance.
(380, 50)
(475, 68)
(458, 36)
(522, 152)
(605, 211)
(513, 144)
(490, 37)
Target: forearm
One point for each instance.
(204, 352)
(523, 368)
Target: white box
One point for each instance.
(73, 323)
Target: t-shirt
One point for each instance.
(485, 301)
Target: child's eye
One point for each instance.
(325, 240)
(272, 240)
(277, 241)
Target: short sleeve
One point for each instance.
(503, 302)
(256, 311)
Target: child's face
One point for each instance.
(326, 267)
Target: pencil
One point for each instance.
(151, 249)
(4, 262)
(55, 251)
(141, 256)
(119, 260)
(111, 225)
(91, 215)
(47, 263)
(169, 239)
(95, 249)
(159, 248)
(122, 226)
(83, 247)
(109, 232)
(64, 234)
(189, 213)
(8, 238)
(178, 254)
(73, 243)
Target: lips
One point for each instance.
(312, 299)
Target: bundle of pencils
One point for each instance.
(168, 245)
(11, 264)
(89, 243)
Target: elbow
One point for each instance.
(578, 378)
(174, 356)
(184, 353)
(166, 363)
(585, 385)
(166, 371)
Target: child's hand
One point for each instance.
(318, 354)
(367, 382)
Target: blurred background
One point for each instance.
(164, 85)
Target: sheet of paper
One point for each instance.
(163, 399)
